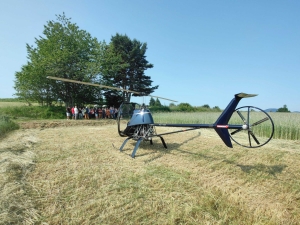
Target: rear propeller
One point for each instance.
(257, 129)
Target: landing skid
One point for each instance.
(138, 144)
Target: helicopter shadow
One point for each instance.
(157, 151)
(271, 170)
(163, 151)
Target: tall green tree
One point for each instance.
(157, 102)
(124, 66)
(152, 102)
(64, 51)
(113, 98)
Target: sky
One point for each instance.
(203, 52)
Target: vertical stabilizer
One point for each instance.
(221, 125)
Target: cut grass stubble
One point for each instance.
(81, 179)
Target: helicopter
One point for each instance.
(243, 122)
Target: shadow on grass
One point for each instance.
(271, 170)
(157, 147)
(14, 151)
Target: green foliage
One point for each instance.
(283, 109)
(204, 108)
(160, 108)
(152, 102)
(172, 105)
(113, 98)
(64, 51)
(34, 112)
(185, 107)
(157, 102)
(10, 100)
(6, 125)
(216, 109)
(124, 64)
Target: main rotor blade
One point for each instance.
(91, 84)
(162, 98)
(103, 86)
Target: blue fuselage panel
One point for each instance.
(140, 117)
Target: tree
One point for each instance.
(124, 66)
(157, 102)
(113, 98)
(283, 109)
(65, 51)
(186, 107)
(216, 108)
(32, 87)
(172, 105)
(152, 102)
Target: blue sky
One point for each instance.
(203, 52)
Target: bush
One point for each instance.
(184, 107)
(34, 112)
(159, 109)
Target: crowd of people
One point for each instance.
(91, 113)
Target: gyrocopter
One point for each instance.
(237, 124)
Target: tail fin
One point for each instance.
(221, 124)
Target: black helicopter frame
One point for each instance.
(149, 132)
(140, 127)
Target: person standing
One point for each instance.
(96, 112)
(107, 113)
(68, 112)
(80, 113)
(86, 115)
(103, 113)
(111, 112)
(116, 113)
(100, 112)
(73, 113)
(76, 112)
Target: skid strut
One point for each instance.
(138, 144)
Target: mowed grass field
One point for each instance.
(69, 172)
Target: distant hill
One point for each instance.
(271, 110)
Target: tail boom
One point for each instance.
(221, 125)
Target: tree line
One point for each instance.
(66, 51)
(156, 106)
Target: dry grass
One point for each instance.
(80, 178)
